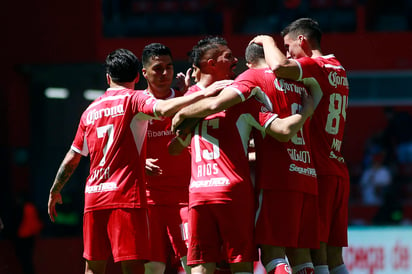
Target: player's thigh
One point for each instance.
(128, 234)
(236, 225)
(204, 241)
(96, 244)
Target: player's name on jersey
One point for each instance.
(99, 173)
(300, 156)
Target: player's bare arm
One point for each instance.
(284, 129)
(167, 108)
(179, 143)
(66, 169)
(276, 59)
(226, 98)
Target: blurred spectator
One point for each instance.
(25, 226)
(375, 180)
(398, 135)
(374, 145)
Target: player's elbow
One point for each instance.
(279, 131)
(214, 107)
(282, 68)
(174, 148)
(165, 111)
(284, 135)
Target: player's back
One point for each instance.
(286, 165)
(112, 130)
(328, 83)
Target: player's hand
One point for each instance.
(261, 39)
(216, 87)
(54, 197)
(188, 77)
(176, 121)
(308, 104)
(182, 82)
(151, 168)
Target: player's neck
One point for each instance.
(130, 85)
(316, 53)
(205, 80)
(160, 93)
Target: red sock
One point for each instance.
(281, 268)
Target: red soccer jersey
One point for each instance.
(329, 86)
(193, 89)
(172, 186)
(113, 131)
(282, 165)
(220, 166)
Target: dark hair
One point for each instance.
(122, 65)
(253, 53)
(304, 26)
(193, 56)
(154, 49)
(203, 46)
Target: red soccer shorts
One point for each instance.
(222, 231)
(166, 229)
(287, 219)
(333, 209)
(121, 232)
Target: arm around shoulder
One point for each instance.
(283, 129)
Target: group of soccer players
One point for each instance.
(138, 201)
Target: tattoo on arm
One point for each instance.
(66, 169)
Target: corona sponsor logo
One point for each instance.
(96, 114)
(336, 80)
(286, 86)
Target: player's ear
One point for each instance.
(136, 80)
(108, 79)
(144, 72)
(301, 39)
(211, 62)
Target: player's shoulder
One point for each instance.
(193, 89)
(329, 61)
(254, 72)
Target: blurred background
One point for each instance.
(52, 68)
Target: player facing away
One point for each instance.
(221, 185)
(285, 175)
(169, 176)
(112, 131)
(328, 83)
